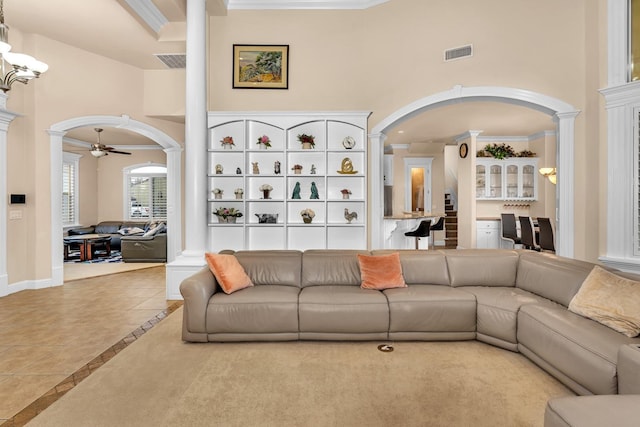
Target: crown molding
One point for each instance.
(149, 13)
(303, 4)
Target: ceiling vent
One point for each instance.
(173, 60)
(458, 53)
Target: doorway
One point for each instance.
(563, 114)
(417, 184)
(174, 173)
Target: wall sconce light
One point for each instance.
(549, 173)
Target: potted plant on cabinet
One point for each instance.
(307, 141)
(266, 190)
(345, 193)
(227, 142)
(264, 142)
(227, 215)
(297, 169)
(217, 193)
(238, 192)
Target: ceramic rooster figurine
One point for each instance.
(350, 216)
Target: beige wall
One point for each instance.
(78, 83)
(380, 59)
(389, 56)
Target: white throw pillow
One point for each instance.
(611, 300)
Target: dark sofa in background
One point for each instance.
(138, 241)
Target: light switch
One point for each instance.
(15, 214)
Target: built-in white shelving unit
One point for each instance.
(248, 166)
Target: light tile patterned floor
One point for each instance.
(51, 339)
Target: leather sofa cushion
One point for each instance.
(482, 268)
(343, 309)
(592, 411)
(583, 350)
(108, 227)
(259, 309)
(420, 267)
(550, 276)
(274, 267)
(431, 308)
(497, 311)
(331, 267)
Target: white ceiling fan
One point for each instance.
(98, 149)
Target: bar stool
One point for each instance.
(423, 230)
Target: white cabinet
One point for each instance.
(335, 165)
(487, 234)
(509, 179)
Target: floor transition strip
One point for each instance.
(44, 401)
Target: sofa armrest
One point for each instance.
(196, 290)
(629, 369)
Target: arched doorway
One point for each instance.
(563, 114)
(174, 173)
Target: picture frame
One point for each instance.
(260, 66)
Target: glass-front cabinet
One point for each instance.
(508, 179)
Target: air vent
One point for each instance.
(173, 60)
(458, 53)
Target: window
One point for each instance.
(146, 192)
(634, 39)
(70, 199)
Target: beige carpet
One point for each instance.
(76, 271)
(161, 381)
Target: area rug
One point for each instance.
(161, 381)
(74, 258)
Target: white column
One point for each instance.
(196, 131)
(195, 175)
(376, 186)
(57, 264)
(565, 184)
(6, 118)
(174, 213)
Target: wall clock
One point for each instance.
(464, 150)
(348, 143)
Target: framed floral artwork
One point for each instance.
(260, 66)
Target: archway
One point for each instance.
(563, 114)
(174, 173)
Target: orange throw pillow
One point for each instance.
(381, 271)
(228, 271)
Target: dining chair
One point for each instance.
(438, 226)
(509, 231)
(546, 234)
(423, 230)
(527, 233)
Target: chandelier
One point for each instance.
(16, 66)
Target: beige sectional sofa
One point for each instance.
(516, 300)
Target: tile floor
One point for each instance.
(50, 339)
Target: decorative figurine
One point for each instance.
(238, 171)
(350, 216)
(256, 169)
(296, 191)
(276, 167)
(313, 169)
(346, 167)
(314, 191)
(219, 169)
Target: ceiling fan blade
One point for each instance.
(118, 152)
